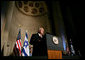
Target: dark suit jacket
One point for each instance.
(39, 47)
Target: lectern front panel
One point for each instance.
(51, 45)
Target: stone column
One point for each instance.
(7, 27)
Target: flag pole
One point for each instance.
(19, 26)
(21, 42)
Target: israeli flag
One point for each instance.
(25, 50)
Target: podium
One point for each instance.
(54, 47)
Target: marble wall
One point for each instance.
(15, 19)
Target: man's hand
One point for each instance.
(39, 40)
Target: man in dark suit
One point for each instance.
(39, 43)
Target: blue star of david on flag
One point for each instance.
(26, 43)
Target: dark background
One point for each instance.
(73, 17)
(74, 22)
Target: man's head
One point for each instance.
(41, 30)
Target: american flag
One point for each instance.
(18, 42)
